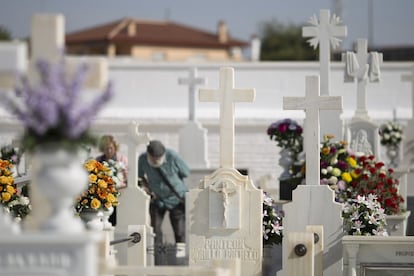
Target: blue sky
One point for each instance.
(393, 20)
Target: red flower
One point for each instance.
(382, 175)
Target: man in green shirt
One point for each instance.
(164, 171)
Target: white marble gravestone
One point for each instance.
(133, 208)
(193, 144)
(326, 32)
(34, 253)
(362, 67)
(378, 256)
(47, 42)
(13, 61)
(224, 214)
(407, 160)
(314, 204)
(361, 132)
(408, 141)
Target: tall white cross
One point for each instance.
(227, 95)
(192, 81)
(312, 103)
(48, 42)
(13, 56)
(324, 32)
(410, 78)
(364, 67)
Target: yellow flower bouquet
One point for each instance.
(14, 202)
(101, 192)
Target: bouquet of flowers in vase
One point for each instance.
(101, 192)
(351, 175)
(54, 110)
(391, 134)
(272, 222)
(15, 203)
(10, 153)
(338, 166)
(288, 135)
(117, 172)
(364, 216)
(373, 177)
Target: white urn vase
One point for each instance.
(92, 219)
(106, 213)
(286, 161)
(397, 224)
(60, 177)
(393, 154)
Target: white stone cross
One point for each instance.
(324, 32)
(227, 95)
(312, 103)
(410, 78)
(192, 81)
(362, 66)
(48, 42)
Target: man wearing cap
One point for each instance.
(163, 172)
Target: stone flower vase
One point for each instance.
(272, 259)
(286, 161)
(92, 219)
(59, 175)
(106, 213)
(393, 154)
(397, 224)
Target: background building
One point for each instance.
(156, 41)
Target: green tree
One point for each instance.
(284, 42)
(4, 33)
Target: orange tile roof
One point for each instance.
(154, 33)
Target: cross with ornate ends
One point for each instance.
(326, 31)
(312, 103)
(410, 78)
(192, 81)
(226, 188)
(227, 95)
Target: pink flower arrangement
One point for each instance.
(288, 135)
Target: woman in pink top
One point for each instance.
(116, 161)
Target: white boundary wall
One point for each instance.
(149, 94)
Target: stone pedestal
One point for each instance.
(397, 224)
(315, 205)
(33, 254)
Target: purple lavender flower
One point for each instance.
(52, 111)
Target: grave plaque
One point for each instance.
(224, 214)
